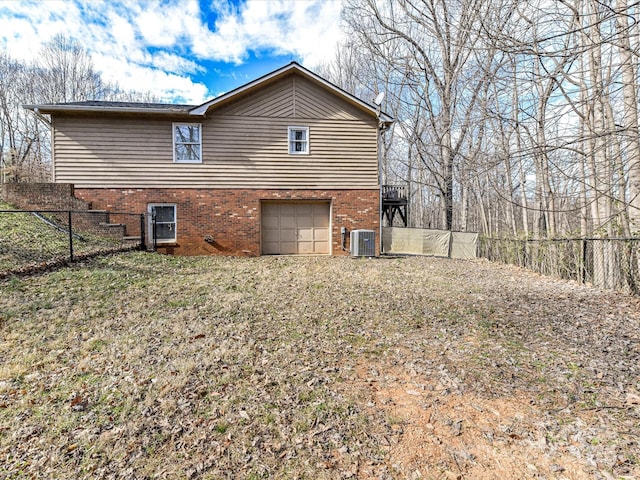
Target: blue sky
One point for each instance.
(181, 51)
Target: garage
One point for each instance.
(295, 228)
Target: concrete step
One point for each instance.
(111, 225)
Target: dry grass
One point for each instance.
(146, 366)
(28, 244)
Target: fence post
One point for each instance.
(70, 238)
(155, 226)
(143, 241)
(584, 261)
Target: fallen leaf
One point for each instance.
(633, 399)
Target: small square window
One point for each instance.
(162, 222)
(187, 143)
(299, 140)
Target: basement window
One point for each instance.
(187, 143)
(162, 222)
(298, 140)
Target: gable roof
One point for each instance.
(200, 111)
(281, 72)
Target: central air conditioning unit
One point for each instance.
(363, 243)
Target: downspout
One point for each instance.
(382, 127)
(379, 155)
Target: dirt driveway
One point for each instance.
(144, 366)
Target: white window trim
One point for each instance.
(150, 207)
(290, 142)
(173, 136)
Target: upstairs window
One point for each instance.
(187, 143)
(299, 140)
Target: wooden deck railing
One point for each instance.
(394, 193)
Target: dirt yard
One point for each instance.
(146, 366)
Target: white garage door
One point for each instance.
(290, 228)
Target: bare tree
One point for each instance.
(437, 56)
(21, 150)
(64, 72)
(629, 77)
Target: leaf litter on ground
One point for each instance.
(148, 366)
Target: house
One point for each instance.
(285, 164)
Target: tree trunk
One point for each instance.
(630, 107)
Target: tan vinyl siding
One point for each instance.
(293, 96)
(244, 144)
(274, 100)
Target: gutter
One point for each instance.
(51, 109)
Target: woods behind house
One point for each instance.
(512, 119)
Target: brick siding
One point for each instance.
(230, 219)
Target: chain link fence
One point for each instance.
(608, 263)
(36, 240)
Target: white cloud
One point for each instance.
(164, 25)
(24, 25)
(168, 86)
(174, 63)
(156, 45)
(309, 30)
(122, 30)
